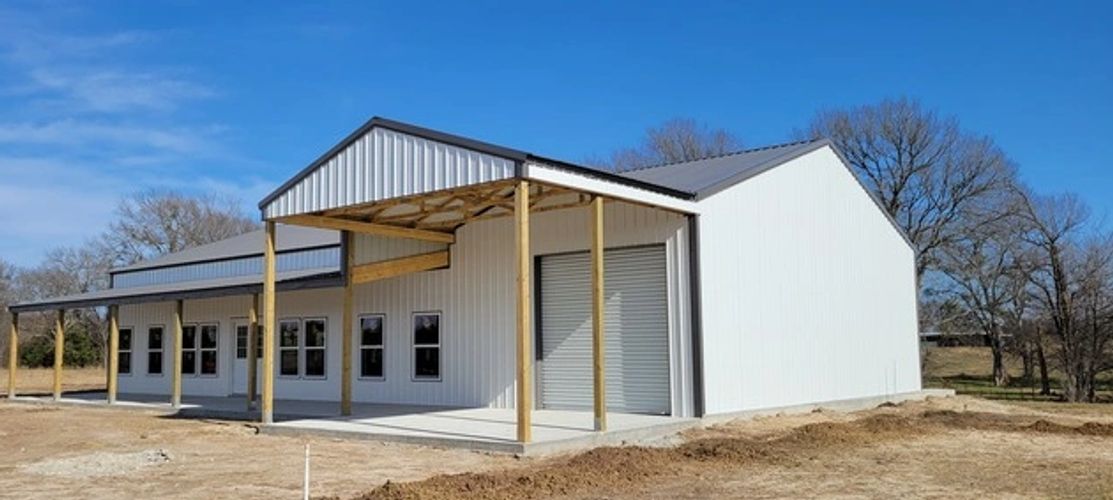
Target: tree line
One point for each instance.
(145, 225)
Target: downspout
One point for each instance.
(696, 313)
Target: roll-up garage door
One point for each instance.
(636, 330)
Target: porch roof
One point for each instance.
(220, 287)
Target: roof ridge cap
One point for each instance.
(729, 153)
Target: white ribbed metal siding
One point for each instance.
(287, 261)
(384, 164)
(808, 292)
(636, 331)
(476, 298)
(369, 248)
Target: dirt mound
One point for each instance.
(625, 469)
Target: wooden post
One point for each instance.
(267, 414)
(176, 362)
(525, 357)
(598, 347)
(252, 355)
(346, 328)
(13, 354)
(59, 351)
(113, 351)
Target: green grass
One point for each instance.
(968, 370)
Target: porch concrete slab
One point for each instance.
(481, 429)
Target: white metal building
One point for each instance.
(416, 267)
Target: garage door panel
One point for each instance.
(635, 323)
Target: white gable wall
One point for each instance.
(384, 164)
(808, 291)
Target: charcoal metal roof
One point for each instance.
(287, 238)
(710, 175)
(218, 287)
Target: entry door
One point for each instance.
(239, 361)
(635, 323)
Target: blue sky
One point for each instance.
(101, 99)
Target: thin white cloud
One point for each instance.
(74, 132)
(114, 91)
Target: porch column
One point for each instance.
(252, 355)
(176, 361)
(598, 349)
(525, 358)
(59, 351)
(113, 351)
(13, 354)
(267, 414)
(346, 329)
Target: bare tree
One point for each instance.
(989, 273)
(927, 173)
(1072, 280)
(677, 140)
(156, 223)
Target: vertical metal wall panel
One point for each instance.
(394, 164)
(809, 293)
(476, 299)
(317, 258)
(370, 248)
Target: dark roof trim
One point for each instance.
(328, 280)
(129, 270)
(510, 154)
(612, 177)
(776, 161)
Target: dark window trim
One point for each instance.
(130, 351)
(161, 350)
(304, 348)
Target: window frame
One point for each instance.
(201, 349)
(243, 322)
(161, 351)
(130, 351)
(360, 346)
(414, 346)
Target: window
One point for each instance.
(289, 333)
(241, 342)
(315, 333)
(123, 351)
(199, 349)
(427, 346)
(371, 346)
(154, 350)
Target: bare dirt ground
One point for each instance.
(943, 448)
(41, 380)
(68, 452)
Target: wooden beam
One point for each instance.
(13, 354)
(346, 328)
(113, 352)
(176, 362)
(252, 354)
(59, 351)
(375, 271)
(525, 354)
(369, 228)
(267, 413)
(598, 346)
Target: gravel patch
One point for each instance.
(99, 464)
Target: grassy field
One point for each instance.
(968, 370)
(31, 381)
